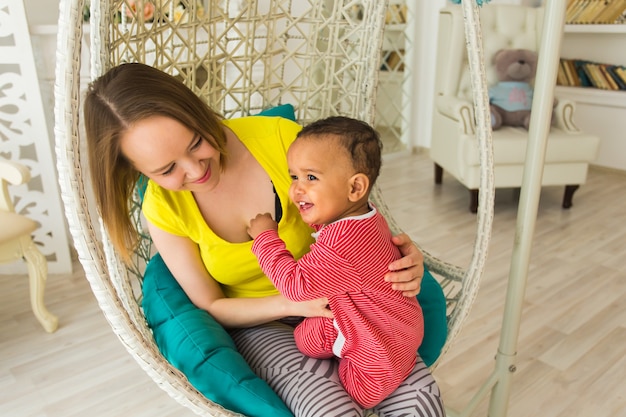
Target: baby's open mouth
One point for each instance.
(304, 205)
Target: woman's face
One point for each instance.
(170, 154)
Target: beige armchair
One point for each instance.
(16, 242)
(454, 146)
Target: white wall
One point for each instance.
(424, 74)
(42, 12)
(42, 16)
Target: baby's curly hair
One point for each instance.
(360, 139)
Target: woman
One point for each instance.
(208, 178)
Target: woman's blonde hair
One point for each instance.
(117, 100)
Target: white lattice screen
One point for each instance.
(24, 138)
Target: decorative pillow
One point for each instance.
(433, 303)
(193, 342)
(284, 110)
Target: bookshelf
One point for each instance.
(596, 28)
(601, 112)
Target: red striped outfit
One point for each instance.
(382, 328)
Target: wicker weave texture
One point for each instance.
(321, 56)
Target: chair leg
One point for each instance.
(438, 174)
(569, 195)
(473, 193)
(473, 201)
(38, 273)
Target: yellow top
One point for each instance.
(234, 265)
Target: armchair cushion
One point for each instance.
(13, 225)
(510, 147)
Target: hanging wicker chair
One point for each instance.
(321, 56)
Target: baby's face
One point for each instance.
(321, 173)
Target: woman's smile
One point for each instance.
(204, 178)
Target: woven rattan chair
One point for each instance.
(321, 56)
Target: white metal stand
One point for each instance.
(499, 382)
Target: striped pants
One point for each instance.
(311, 387)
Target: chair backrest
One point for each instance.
(504, 26)
(243, 56)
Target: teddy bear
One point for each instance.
(511, 98)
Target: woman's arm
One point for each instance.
(182, 257)
(406, 273)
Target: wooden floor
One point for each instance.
(572, 344)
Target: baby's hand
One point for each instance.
(261, 223)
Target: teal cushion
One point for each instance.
(193, 342)
(284, 110)
(433, 303)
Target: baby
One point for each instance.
(376, 331)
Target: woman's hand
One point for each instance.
(311, 308)
(406, 273)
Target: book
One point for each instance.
(570, 9)
(611, 12)
(597, 75)
(561, 75)
(580, 7)
(614, 13)
(595, 19)
(618, 80)
(568, 71)
(584, 79)
(621, 73)
(606, 85)
(586, 68)
(594, 8)
(609, 79)
(621, 20)
(584, 73)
